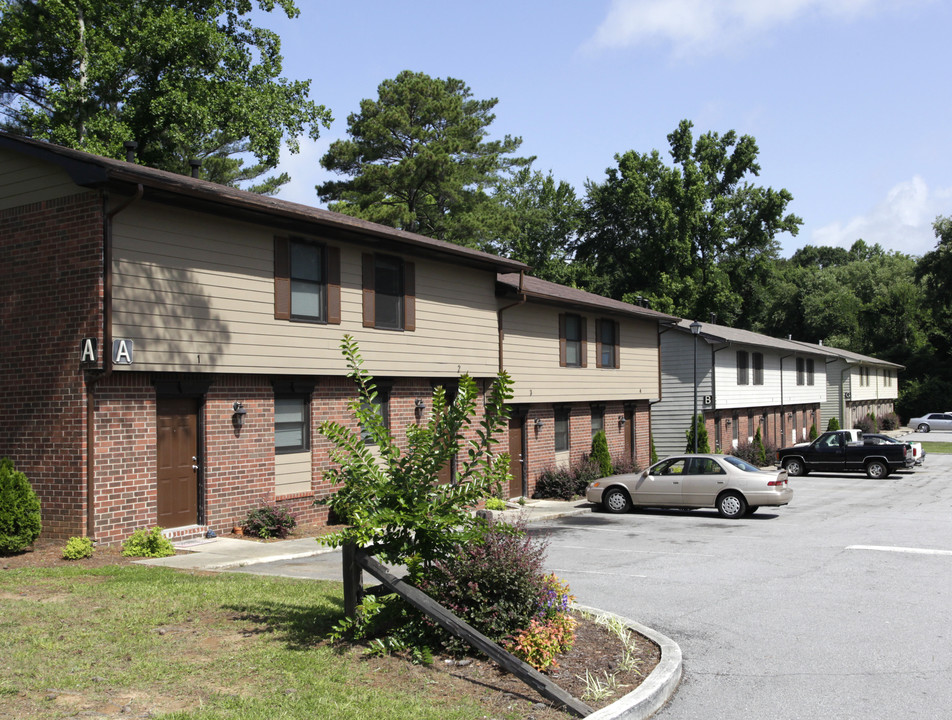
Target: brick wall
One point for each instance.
(50, 298)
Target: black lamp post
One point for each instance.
(695, 330)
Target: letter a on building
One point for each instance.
(122, 352)
(88, 350)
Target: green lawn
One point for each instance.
(77, 642)
(940, 448)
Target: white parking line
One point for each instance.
(886, 548)
(632, 552)
(560, 571)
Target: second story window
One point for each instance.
(758, 366)
(743, 367)
(306, 281)
(810, 371)
(572, 346)
(801, 371)
(389, 293)
(606, 334)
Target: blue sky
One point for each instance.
(849, 100)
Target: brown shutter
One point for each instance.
(368, 282)
(409, 297)
(333, 285)
(617, 344)
(282, 278)
(584, 333)
(561, 339)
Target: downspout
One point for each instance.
(106, 359)
(716, 408)
(499, 324)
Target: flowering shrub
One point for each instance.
(543, 641)
(567, 483)
(555, 598)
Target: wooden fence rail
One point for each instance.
(355, 558)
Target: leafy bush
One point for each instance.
(543, 641)
(269, 521)
(756, 452)
(20, 523)
(494, 584)
(148, 543)
(833, 424)
(622, 465)
(866, 424)
(889, 421)
(78, 548)
(567, 483)
(495, 503)
(813, 432)
(600, 455)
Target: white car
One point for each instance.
(733, 486)
(931, 421)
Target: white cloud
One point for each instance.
(902, 221)
(698, 26)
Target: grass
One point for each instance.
(939, 448)
(190, 646)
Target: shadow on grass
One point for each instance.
(300, 626)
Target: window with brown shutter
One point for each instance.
(606, 347)
(389, 293)
(306, 281)
(572, 345)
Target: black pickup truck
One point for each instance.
(837, 451)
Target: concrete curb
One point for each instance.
(657, 688)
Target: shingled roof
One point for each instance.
(119, 176)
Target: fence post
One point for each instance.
(353, 580)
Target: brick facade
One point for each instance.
(50, 298)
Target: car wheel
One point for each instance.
(615, 500)
(923, 428)
(794, 467)
(731, 505)
(877, 470)
(752, 509)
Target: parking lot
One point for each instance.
(836, 606)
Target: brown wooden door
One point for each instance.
(177, 463)
(629, 433)
(516, 460)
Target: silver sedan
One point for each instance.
(733, 486)
(931, 421)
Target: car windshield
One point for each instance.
(741, 464)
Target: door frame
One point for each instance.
(517, 416)
(200, 424)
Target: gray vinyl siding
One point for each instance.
(24, 181)
(671, 417)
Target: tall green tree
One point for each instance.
(695, 237)
(540, 219)
(187, 79)
(418, 159)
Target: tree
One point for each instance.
(395, 506)
(190, 79)
(540, 221)
(703, 444)
(418, 159)
(695, 238)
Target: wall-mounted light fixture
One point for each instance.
(538, 424)
(622, 420)
(418, 407)
(239, 412)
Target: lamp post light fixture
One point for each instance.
(695, 331)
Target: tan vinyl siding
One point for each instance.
(292, 473)
(531, 356)
(196, 293)
(24, 181)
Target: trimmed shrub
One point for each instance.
(756, 452)
(703, 446)
(494, 584)
(269, 521)
(654, 453)
(567, 483)
(148, 543)
(20, 523)
(622, 465)
(495, 503)
(600, 455)
(833, 424)
(889, 421)
(866, 424)
(813, 432)
(78, 548)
